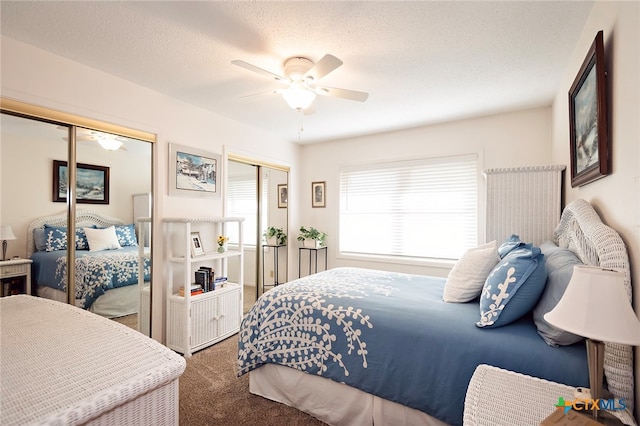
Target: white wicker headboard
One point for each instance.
(581, 230)
(83, 218)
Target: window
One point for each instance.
(425, 208)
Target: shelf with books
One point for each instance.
(212, 310)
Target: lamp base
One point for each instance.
(4, 250)
(595, 359)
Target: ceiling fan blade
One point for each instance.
(259, 70)
(323, 67)
(352, 95)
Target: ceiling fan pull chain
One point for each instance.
(301, 129)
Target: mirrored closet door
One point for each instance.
(258, 192)
(113, 199)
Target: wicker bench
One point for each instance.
(65, 366)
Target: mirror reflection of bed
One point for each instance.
(28, 150)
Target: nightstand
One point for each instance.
(15, 276)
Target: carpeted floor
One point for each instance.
(211, 394)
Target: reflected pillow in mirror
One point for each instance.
(102, 239)
(126, 235)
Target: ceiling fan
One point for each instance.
(302, 76)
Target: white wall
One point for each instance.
(615, 197)
(37, 77)
(511, 139)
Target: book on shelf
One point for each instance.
(207, 275)
(195, 289)
(220, 282)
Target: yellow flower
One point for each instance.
(222, 239)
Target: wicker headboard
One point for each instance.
(83, 218)
(581, 230)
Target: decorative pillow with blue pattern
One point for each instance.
(511, 243)
(56, 238)
(126, 235)
(513, 287)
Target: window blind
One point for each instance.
(423, 208)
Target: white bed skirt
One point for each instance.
(331, 402)
(114, 303)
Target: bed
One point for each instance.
(355, 346)
(106, 279)
(98, 372)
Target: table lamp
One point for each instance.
(5, 234)
(595, 305)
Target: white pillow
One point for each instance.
(467, 277)
(102, 239)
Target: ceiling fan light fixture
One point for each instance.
(298, 96)
(110, 144)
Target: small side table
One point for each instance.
(276, 258)
(15, 268)
(312, 251)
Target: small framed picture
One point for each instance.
(318, 194)
(196, 245)
(282, 196)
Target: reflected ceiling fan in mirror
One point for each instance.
(107, 141)
(302, 77)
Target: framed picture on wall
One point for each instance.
(318, 194)
(283, 196)
(194, 172)
(588, 134)
(92, 183)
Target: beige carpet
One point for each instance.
(211, 394)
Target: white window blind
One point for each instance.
(242, 202)
(424, 208)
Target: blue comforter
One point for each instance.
(96, 272)
(391, 335)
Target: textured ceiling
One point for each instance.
(421, 62)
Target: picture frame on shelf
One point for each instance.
(318, 196)
(283, 196)
(588, 133)
(194, 172)
(92, 183)
(197, 249)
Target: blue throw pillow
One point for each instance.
(560, 263)
(56, 238)
(513, 287)
(509, 244)
(126, 235)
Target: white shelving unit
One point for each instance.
(195, 322)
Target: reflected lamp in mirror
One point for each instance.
(595, 305)
(6, 233)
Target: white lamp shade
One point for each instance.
(595, 305)
(6, 233)
(298, 97)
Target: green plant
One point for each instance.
(277, 233)
(311, 234)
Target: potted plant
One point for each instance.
(275, 236)
(312, 238)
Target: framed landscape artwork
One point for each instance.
(588, 134)
(92, 183)
(194, 172)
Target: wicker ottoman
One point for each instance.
(62, 365)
